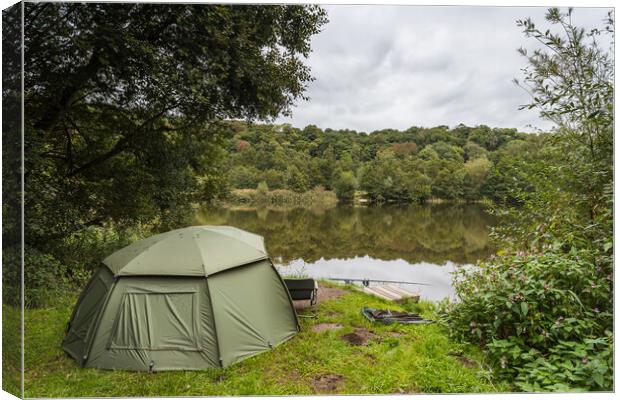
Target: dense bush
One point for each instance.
(46, 277)
(544, 318)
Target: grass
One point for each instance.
(11, 355)
(400, 359)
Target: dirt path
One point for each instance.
(360, 337)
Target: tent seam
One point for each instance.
(98, 321)
(217, 339)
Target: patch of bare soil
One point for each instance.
(323, 294)
(290, 377)
(466, 362)
(326, 327)
(396, 334)
(328, 293)
(327, 383)
(282, 377)
(359, 337)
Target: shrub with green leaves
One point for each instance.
(44, 278)
(544, 308)
(546, 319)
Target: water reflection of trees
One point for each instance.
(431, 233)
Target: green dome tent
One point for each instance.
(192, 298)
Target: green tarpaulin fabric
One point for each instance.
(193, 298)
(193, 251)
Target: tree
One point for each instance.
(295, 180)
(242, 145)
(403, 173)
(405, 148)
(390, 179)
(124, 103)
(446, 151)
(476, 171)
(473, 151)
(111, 84)
(419, 185)
(428, 154)
(570, 80)
(345, 186)
(275, 179)
(448, 182)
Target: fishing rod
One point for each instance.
(365, 282)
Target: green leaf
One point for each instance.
(524, 309)
(599, 379)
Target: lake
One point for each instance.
(415, 243)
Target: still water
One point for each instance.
(416, 243)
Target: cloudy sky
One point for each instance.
(383, 66)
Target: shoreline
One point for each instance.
(315, 198)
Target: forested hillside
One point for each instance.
(462, 163)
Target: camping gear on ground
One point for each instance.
(192, 298)
(302, 289)
(389, 317)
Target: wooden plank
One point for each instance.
(374, 292)
(401, 291)
(391, 292)
(378, 289)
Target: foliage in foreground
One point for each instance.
(400, 359)
(544, 318)
(544, 308)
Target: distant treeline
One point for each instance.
(414, 165)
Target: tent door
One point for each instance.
(156, 321)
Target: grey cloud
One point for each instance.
(382, 67)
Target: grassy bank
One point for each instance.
(394, 359)
(315, 198)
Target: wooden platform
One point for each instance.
(391, 292)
